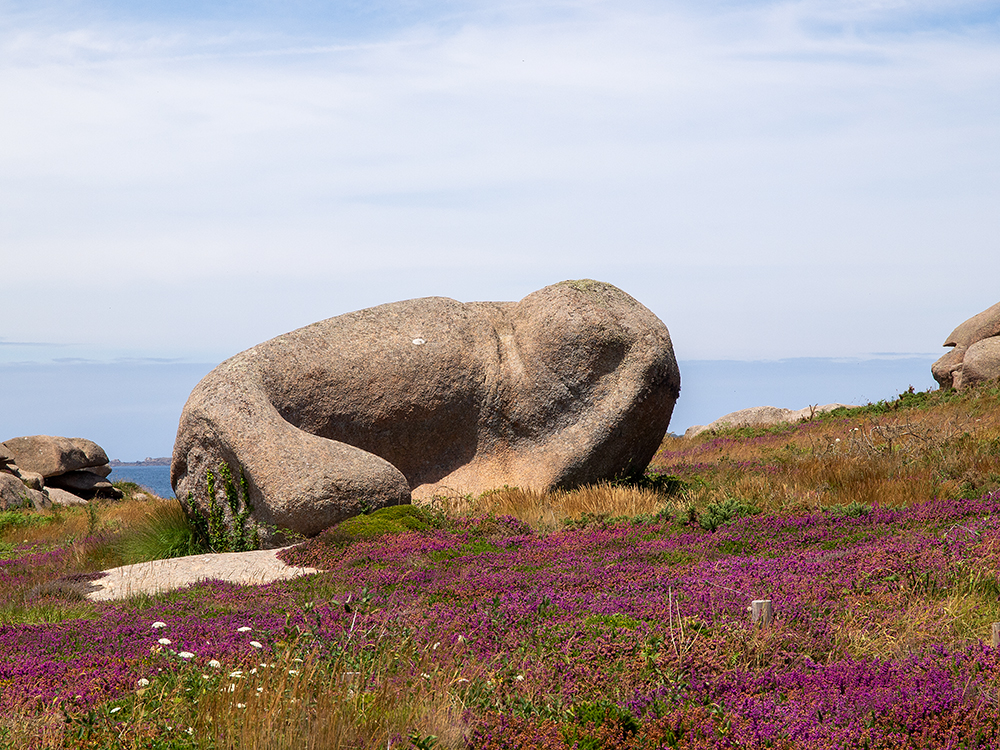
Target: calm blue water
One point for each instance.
(156, 479)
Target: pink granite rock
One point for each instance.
(573, 384)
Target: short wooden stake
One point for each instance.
(760, 611)
(996, 635)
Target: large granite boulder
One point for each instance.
(573, 384)
(50, 456)
(975, 354)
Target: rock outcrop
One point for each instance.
(975, 354)
(16, 494)
(50, 456)
(760, 416)
(50, 470)
(573, 384)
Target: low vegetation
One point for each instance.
(612, 616)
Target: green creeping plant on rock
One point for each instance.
(211, 529)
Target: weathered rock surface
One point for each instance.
(83, 483)
(978, 327)
(981, 362)
(15, 494)
(574, 383)
(49, 456)
(62, 497)
(761, 416)
(973, 358)
(42, 464)
(33, 479)
(947, 371)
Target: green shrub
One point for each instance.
(850, 510)
(616, 620)
(589, 716)
(129, 489)
(723, 512)
(394, 519)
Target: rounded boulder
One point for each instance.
(575, 383)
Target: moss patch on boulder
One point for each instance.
(394, 519)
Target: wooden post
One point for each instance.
(996, 635)
(761, 612)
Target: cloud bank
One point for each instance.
(774, 179)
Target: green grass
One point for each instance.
(394, 519)
(165, 532)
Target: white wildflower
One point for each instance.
(237, 673)
(185, 654)
(215, 664)
(256, 644)
(164, 641)
(115, 710)
(143, 682)
(244, 629)
(157, 625)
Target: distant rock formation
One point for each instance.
(42, 470)
(975, 354)
(760, 416)
(573, 384)
(148, 461)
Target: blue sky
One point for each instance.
(778, 181)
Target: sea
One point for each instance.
(156, 479)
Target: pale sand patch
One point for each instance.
(256, 567)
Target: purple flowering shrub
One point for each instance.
(615, 635)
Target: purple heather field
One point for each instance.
(647, 617)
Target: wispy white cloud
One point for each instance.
(770, 178)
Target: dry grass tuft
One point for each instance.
(921, 446)
(553, 509)
(328, 705)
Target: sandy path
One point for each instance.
(256, 567)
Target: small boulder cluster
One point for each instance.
(975, 352)
(42, 471)
(762, 416)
